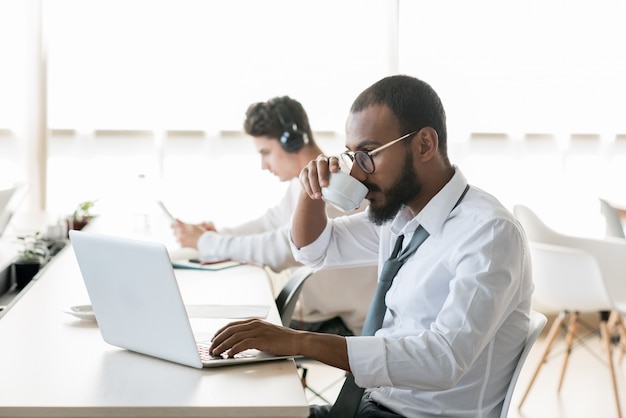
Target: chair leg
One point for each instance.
(305, 386)
(622, 341)
(606, 341)
(571, 333)
(554, 332)
(613, 320)
(621, 330)
(613, 326)
(303, 377)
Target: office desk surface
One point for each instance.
(55, 365)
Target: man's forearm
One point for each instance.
(309, 220)
(329, 349)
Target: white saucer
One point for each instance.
(82, 312)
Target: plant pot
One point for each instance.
(23, 272)
(74, 224)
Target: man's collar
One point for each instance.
(436, 211)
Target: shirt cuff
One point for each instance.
(313, 253)
(206, 247)
(368, 361)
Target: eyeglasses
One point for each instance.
(364, 158)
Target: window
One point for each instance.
(539, 67)
(13, 89)
(517, 67)
(196, 64)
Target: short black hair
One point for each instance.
(413, 102)
(262, 118)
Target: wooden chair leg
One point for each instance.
(613, 321)
(621, 329)
(554, 332)
(614, 325)
(606, 341)
(571, 333)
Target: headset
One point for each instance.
(292, 139)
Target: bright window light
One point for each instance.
(195, 64)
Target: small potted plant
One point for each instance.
(81, 215)
(32, 255)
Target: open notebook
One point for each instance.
(137, 303)
(188, 258)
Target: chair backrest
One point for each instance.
(535, 228)
(536, 325)
(614, 227)
(567, 278)
(288, 296)
(609, 253)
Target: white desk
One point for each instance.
(55, 365)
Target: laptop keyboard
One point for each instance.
(206, 356)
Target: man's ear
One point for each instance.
(428, 141)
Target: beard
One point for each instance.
(404, 190)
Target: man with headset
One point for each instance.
(332, 301)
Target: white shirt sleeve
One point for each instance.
(264, 240)
(347, 241)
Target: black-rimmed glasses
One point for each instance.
(364, 158)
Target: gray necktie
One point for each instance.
(377, 309)
(350, 395)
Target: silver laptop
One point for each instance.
(137, 302)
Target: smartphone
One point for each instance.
(167, 212)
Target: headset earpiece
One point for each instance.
(292, 139)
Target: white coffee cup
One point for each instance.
(344, 191)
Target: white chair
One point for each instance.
(573, 275)
(614, 227)
(537, 323)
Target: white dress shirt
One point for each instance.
(457, 310)
(265, 241)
